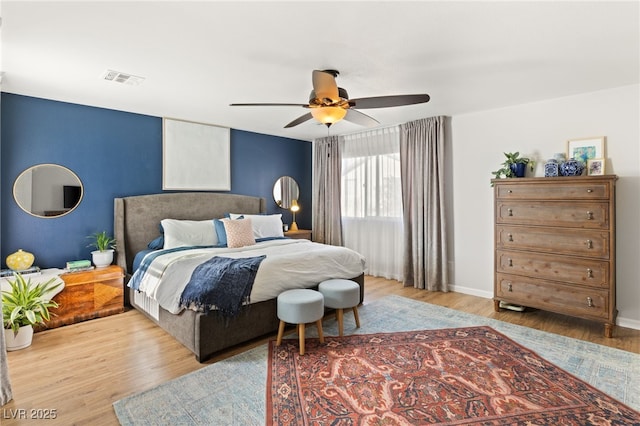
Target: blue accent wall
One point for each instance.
(116, 154)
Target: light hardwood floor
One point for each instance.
(81, 369)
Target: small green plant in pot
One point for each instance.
(24, 306)
(104, 245)
(514, 166)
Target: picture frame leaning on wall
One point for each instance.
(585, 149)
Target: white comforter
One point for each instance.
(288, 264)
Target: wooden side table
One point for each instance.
(89, 294)
(299, 234)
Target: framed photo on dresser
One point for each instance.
(586, 148)
(595, 166)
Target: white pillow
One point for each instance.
(264, 226)
(187, 233)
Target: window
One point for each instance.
(372, 200)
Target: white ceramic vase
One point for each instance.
(102, 258)
(18, 341)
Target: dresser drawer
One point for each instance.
(593, 215)
(553, 190)
(577, 242)
(566, 269)
(585, 302)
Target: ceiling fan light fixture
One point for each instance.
(328, 115)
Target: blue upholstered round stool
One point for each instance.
(339, 295)
(300, 307)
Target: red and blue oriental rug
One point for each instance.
(472, 375)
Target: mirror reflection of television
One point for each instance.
(71, 195)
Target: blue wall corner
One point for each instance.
(116, 154)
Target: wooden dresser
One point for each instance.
(555, 245)
(89, 294)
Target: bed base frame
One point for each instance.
(136, 224)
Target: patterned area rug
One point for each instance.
(469, 375)
(232, 392)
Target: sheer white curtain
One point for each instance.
(371, 200)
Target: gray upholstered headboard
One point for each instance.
(136, 218)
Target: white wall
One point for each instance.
(539, 130)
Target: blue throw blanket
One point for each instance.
(222, 283)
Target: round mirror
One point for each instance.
(285, 190)
(47, 190)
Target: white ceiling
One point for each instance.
(198, 57)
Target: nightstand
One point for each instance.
(89, 294)
(299, 234)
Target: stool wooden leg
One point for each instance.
(355, 315)
(280, 333)
(340, 316)
(320, 335)
(301, 337)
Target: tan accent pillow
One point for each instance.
(239, 232)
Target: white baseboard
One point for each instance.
(621, 321)
(628, 323)
(471, 291)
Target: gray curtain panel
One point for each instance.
(422, 176)
(5, 384)
(327, 176)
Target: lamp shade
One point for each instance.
(328, 115)
(294, 206)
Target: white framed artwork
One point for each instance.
(195, 156)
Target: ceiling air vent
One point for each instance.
(120, 77)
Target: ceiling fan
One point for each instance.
(329, 103)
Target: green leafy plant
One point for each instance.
(512, 158)
(102, 241)
(25, 304)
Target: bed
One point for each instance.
(136, 224)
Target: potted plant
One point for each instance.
(104, 245)
(24, 306)
(514, 166)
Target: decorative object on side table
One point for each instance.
(572, 167)
(294, 208)
(24, 306)
(514, 166)
(104, 246)
(595, 166)
(20, 260)
(586, 148)
(551, 168)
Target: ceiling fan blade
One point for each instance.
(299, 120)
(360, 118)
(324, 85)
(388, 101)
(271, 104)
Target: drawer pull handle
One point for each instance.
(589, 244)
(589, 215)
(509, 287)
(589, 302)
(509, 212)
(510, 262)
(589, 273)
(509, 191)
(509, 237)
(589, 190)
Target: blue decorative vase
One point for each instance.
(572, 167)
(551, 168)
(518, 169)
